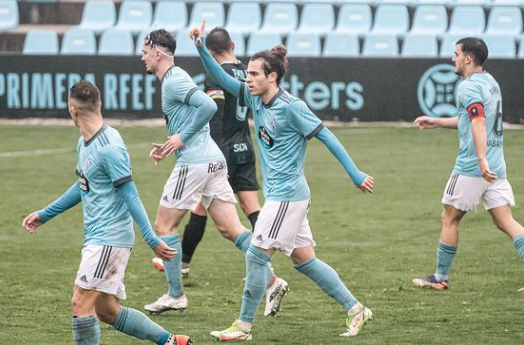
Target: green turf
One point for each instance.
(377, 243)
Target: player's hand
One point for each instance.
(367, 185)
(172, 144)
(425, 122)
(198, 33)
(156, 154)
(487, 174)
(164, 252)
(31, 222)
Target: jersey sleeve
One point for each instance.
(117, 164)
(469, 93)
(179, 88)
(302, 119)
(245, 99)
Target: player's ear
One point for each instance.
(272, 77)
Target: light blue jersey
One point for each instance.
(283, 127)
(480, 88)
(103, 165)
(177, 89)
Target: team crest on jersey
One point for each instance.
(87, 163)
(265, 137)
(273, 123)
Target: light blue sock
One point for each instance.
(243, 241)
(172, 268)
(445, 255)
(86, 330)
(134, 323)
(256, 283)
(518, 241)
(328, 280)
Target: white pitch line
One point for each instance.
(54, 151)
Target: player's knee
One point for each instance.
(105, 315)
(161, 228)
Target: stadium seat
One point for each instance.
(135, 15)
(41, 42)
(447, 47)
(341, 45)
(240, 43)
(79, 42)
(212, 12)
(504, 20)
(184, 45)
(280, 18)
(430, 19)
(171, 16)
(507, 3)
(116, 42)
(244, 17)
(467, 21)
(303, 44)
(420, 45)
(317, 18)
(8, 14)
(391, 20)
(354, 19)
(261, 41)
(472, 2)
(140, 41)
(98, 16)
(501, 46)
(380, 45)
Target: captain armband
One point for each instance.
(476, 110)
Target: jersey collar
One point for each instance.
(103, 128)
(272, 101)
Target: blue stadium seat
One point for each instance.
(116, 42)
(184, 45)
(354, 19)
(79, 42)
(430, 19)
(303, 44)
(8, 14)
(212, 12)
(261, 41)
(472, 2)
(341, 45)
(135, 15)
(467, 21)
(171, 16)
(280, 18)
(501, 46)
(98, 16)
(507, 3)
(447, 46)
(391, 20)
(140, 41)
(380, 45)
(504, 20)
(317, 18)
(244, 17)
(41, 42)
(420, 45)
(240, 43)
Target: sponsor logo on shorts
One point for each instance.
(214, 167)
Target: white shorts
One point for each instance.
(189, 185)
(102, 269)
(283, 225)
(465, 193)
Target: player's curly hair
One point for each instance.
(275, 60)
(476, 47)
(86, 93)
(161, 38)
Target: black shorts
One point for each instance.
(243, 177)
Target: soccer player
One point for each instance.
(200, 174)
(230, 130)
(111, 203)
(284, 124)
(480, 169)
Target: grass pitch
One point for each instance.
(377, 243)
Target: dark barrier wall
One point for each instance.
(340, 89)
